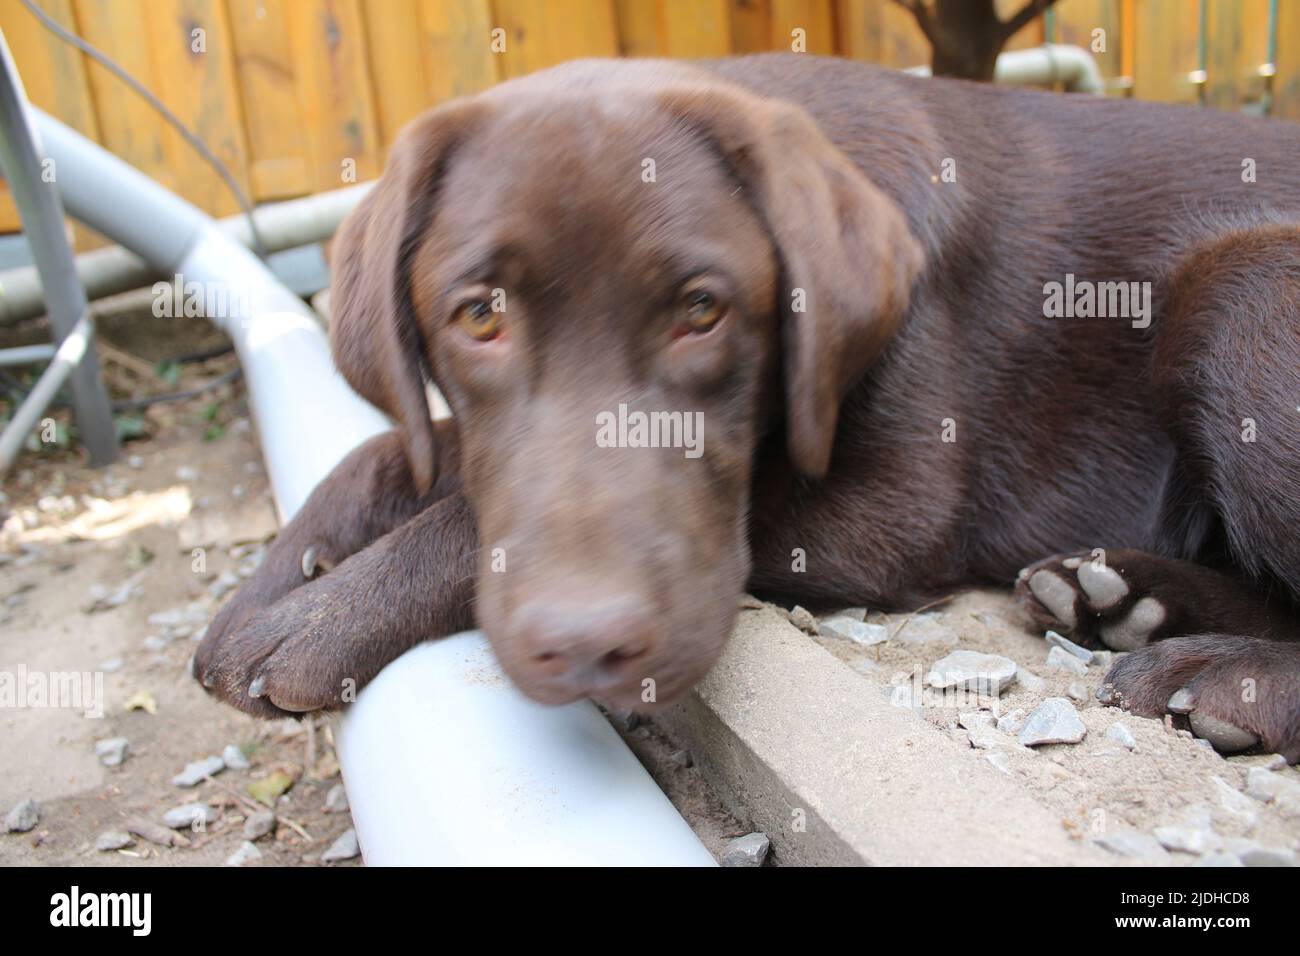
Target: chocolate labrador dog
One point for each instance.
(925, 333)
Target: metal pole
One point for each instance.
(42, 214)
(70, 354)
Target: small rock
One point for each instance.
(980, 729)
(1120, 733)
(234, 758)
(1128, 842)
(682, 759)
(1235, 802)
(803, 619)
(259, 825)
(1031, 681)
(112, 665)
(970, 670)
(1188, 839)
(336, 801)
(1076, 691)
(113, 840)
(1274, 789)
(186, 815)
(1012, 722)
(198, 771)
(153, 832)
(749, 850)
(23, 817)
(344, 848)
(111, 751)
(1274, 762)
(1054, 721)
(1071, 648)
(1219, 859)
(247, 853)
(625, 720)
(1000, 760)
(858, 632)
(1252, 854)
(1059, 659)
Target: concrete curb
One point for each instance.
(835, 775)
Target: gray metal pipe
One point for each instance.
(32, 182)
(103, 272)
(1046, 65)
(71, 352)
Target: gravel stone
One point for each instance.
(23, 817)
(113, 840)
(234, 758)
(195, 773)
(1054, 721)
(749, 850)
(188, 814)
(971, 670)
(111, 751)
(345, 847)
(1120, 733)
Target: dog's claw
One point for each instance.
(1181, 702)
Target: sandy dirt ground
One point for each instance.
(1167, 784)
(111, 574)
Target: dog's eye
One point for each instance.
(701, 309)
(477, 320)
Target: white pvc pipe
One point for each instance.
(1045, 65)
(445, 761)
(575, 792)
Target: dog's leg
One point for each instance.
(368, 495)
(1227, 379)
(320, 643)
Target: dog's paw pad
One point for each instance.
(1056, 595)
(1135, 628)
(1095, 603)
(1104, 586)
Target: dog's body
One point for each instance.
(943, 424)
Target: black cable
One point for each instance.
(135, 404)
(67, 36)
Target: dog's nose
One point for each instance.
(581, 649)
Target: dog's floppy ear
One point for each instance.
(847, 255)
(374, 332)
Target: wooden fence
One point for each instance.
(297, 96)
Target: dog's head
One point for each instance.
(592, 262)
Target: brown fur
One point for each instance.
(823, 428)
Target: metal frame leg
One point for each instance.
(42, 214)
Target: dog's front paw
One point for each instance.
(1239, 693)
(291, 657)
(1098, 602)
